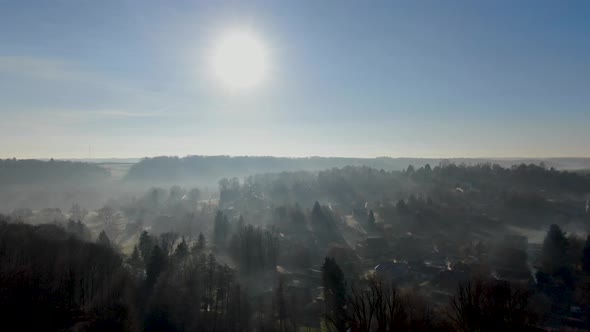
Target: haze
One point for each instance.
(83, 79)
(295, 165)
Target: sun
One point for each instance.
(239, 60)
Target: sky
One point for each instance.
(114, 79)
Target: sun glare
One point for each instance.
(239, 60)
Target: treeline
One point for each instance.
(483, 182)
(206, 169)
(37, 172)
(211, 168)
(524, 176)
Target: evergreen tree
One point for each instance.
(320, 221)
(334, 294)
(167, 241)
(586, 256)
(103, 239)
(181, 249)
(254, 249)
(317, 215)
(401, 207)
(79, 230)
(135, 259)
(210, 271)
(554, 249)
(201, 243)
(155, 265)
(146, 243)
(220, 229)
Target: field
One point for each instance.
(118, 170)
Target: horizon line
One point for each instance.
(298, 157)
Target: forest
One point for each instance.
(204, 169)
(453, 247)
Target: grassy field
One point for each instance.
(118, 170)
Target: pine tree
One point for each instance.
(586, 256)
(554, 249)
(146, 243)
(135, 259)
(317, 216)
(201, 243)
(103, 239)
(220, 229)
(334, 294)
(155, 265)
(181, 249)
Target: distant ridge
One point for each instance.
(211, 168)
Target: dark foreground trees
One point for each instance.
(379, 306)
(479, 305)
(51, 281)
(334, 294)
(492, 305)
(175, 285)
(376, 304)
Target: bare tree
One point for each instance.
(492, 305)
(77, 213)
(361, 307)
(111, 220)
(378, 306)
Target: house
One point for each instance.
(374, 247)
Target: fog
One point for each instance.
(38, 184)
(263, 243)
(294, 166)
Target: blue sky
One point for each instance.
(347, 78)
